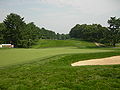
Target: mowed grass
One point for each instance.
(16, 56)
(56, 74)
(48, 67)
(63, 43)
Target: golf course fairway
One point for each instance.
(17, 56)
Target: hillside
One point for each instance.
(63, 43)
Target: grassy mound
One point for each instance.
(56, 74)
(63, 43)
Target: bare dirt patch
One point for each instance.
(99, 44)
(103, 61)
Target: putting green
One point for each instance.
(16, 56)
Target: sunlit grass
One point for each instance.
(47, 66)
(15, 56)
(63, 43)
(56, 74)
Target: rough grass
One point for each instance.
(15, 56)
(56, 74)
(50, 69)
(63, 43)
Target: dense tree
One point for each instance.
(114, 31)
(14, 30)
(58, 36)
(92, 32)
(14, 26)
(62, 36)
(2, 30)
(46, 34)
(76, 32)
(29, 35)
(97, 33)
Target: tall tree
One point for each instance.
(29, 35)
(14, 30)
(2, 31)
(14, 25)
(114, 30)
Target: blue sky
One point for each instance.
(61, 15)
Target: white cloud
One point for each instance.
(61, 15)
(87, 6)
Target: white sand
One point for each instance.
(103, 61)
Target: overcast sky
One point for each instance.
(61, 15)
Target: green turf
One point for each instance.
(47, 66)
(63, 43)
(56, 74)
(15, 56)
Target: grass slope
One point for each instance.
(49, 68)
(57, 74)
(16, 56)
(63, 43)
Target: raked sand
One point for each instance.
(103, 61)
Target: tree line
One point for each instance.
(97, 33)
(15, 31)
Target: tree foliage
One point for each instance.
(14, 30)
(2, 30)
(114, 30)
(14, 26)
(62, 36)
(97, 33)
(93, 32)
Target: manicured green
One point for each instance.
(48, 67)
(15, 56)
(56, 74)
(63, 43)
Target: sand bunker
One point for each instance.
(103, 61)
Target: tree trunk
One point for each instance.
(114, 44)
